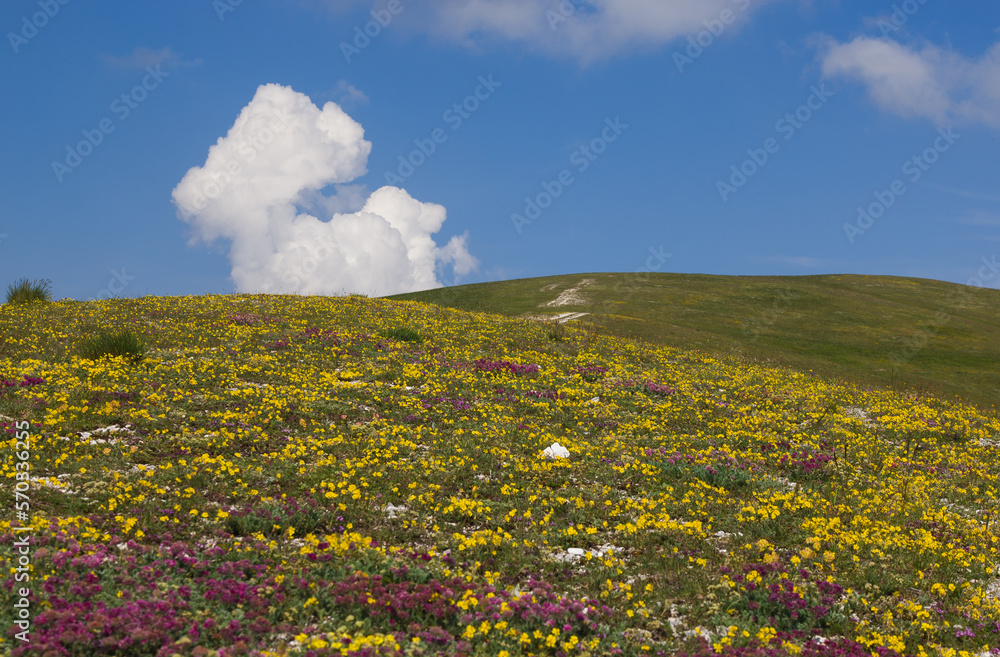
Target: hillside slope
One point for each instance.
(875, 329)
(285, 476)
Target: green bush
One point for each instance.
(404, 334)
(25, 291)
(718, 475)
(556, 332)
(124, 343)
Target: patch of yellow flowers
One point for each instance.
(358, 421)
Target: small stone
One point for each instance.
(556, 451)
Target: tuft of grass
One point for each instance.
(557, 332)
(125, 343)
(404, 334)
(25, 291)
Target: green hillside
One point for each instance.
(881, 330)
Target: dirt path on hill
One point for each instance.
(570, 297)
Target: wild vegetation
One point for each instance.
(905, 333)
(351, 476)
(27, 291)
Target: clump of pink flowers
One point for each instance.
(484, 365)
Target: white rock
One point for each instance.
(993, 591)
(114, 428)
(556, 451)
(604, 549)
(724, 535)
(393, 511)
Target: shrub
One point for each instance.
(717, 475)
(124, 343)
(403, 334)
(556, 332)
(269, 518)
(25, 291)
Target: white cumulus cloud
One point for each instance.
(920, 82)
(279, 157)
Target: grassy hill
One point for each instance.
(880, 330)
(312, 476)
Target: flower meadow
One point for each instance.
(281, 476)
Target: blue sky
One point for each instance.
(737, 136)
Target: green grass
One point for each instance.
(25, 291)
(877, 330)
(124, 343)
(403, 334)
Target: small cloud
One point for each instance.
(142, 57)
(346, 94)
(978, 218)
(923, 81)
(979, 196)
(787, 52)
